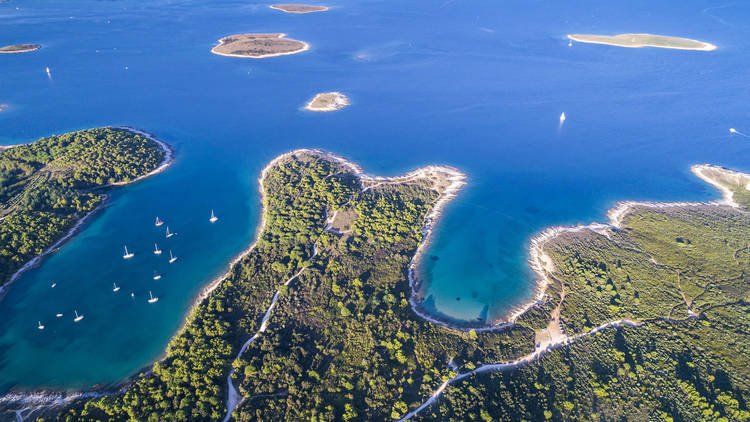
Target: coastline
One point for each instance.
(304, 47)
(35, 261)
(542, 264)
(705, 46)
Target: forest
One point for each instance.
(48, 185)
(342, 342)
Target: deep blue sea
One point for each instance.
(476, 84)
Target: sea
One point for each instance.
(475, 84)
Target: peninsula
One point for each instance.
(298, 8)
(644, 40)
(327, 101)
(645, 315)
(258, 46)
(20, 48)
(50, 186)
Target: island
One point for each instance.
(327, 101)
(298, 8)
(643, 317)
(50, 186)
(258, 46)
(20, 48)
(644, 40)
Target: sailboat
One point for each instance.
(127, 255)
(213, 217)
(169, 234)
(172, 258)
(78, 317)
(157, 251)
(158, 222)
(59, 315)
(562, 117)
(153, 299)
(156, 276)
(53, 285)
(41, 327)
(116, 288)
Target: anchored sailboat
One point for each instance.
(127, 254)
(157, 251)
(41, 327)
(169, 234)
(213, 217)
(158, 222)
(172, 258)
(78, 317)
(59, 315)
(53, 285)
(156, 276)
(116, 288)
(153, 299)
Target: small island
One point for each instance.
(19, 48)
(644, 40)
(298, 8)
(327, 101)
(258, 46)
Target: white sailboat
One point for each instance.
(152, 298)
(127, 254)
(213, 217)
(169, 234)
(158, 222)
(59, 315)
(41, 327)
(172, 258)
(53, 285)
(157, 251)
(562, 118)
(78, 317)
(157, 276)
(116, 287)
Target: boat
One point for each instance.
(41, 327)
(127, 254)
(169, 234)
(158, 222)
(172, 258)
(157, 276)
(152, 298)
(53, 285)
(562, 117)
(213, 217)
(59, 315)
(570, 43)
(132, 295)
(78, 317)
(116, 288)
(157, 251)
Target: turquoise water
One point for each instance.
(474, 84)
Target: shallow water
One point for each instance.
(474, 84)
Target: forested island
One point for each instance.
(298, 8)
(20, 48)
(48, 186)
(644, 40)
(644, 318)
(258, 46)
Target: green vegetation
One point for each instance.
(342, 342)
(683, 273)
(46, 186)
